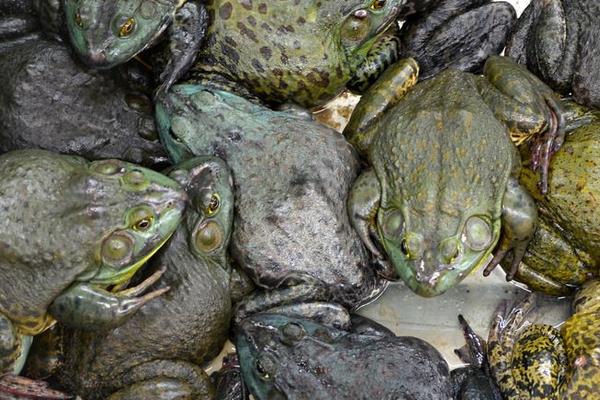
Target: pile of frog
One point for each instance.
(164, 187)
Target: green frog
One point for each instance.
(72, 229)
(162, 348)
(536, 362)
(557, 39)
(293, 233)
(261, 49)
(428, 199)
(108, 33)
(565, 250)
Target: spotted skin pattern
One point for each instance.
(541, 362)
(306, 57)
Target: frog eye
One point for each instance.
(127, 27)
(141, 219)
(356, 28)
(213, 205)
(449, 250)
(117, 249)
(265, 366)
(208, 237)
(378, 4)
(478, 233)
(78, 20)
(393, 225)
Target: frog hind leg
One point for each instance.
(165, 380)
(87, 307)
(519, 222)
(303, 296)
(383, 54)
(186, 34)
(390, 88)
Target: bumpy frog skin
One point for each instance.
(558, 40)
(108, 33)
(161, 348)
(82, 227)
(306, 57)
(442, 181)
(565, 250)
(538, 362)
(284, 357)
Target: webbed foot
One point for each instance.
(549, 143)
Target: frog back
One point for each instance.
(38, 254)
(442, 155)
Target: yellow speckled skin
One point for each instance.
(564, 253)
(541, 362)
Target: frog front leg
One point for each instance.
(88, 307)
(519, 222)
(186, 33)
(387, 91)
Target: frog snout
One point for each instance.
(97, 58)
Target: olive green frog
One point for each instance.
(443, 176)
(72, 228)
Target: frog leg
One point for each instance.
(165, 380)
(519, 222)
(387, 91)
(527, 363)
(88, 307)
(186, 33)
(381, 55)
(528, 107)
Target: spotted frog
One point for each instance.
(72, 228)
(426, 198)
(541, 362)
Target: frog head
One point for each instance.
(108, 33)
(302, 51)
(209, 218)
(266, 345)
(131, 211)
(433, 251)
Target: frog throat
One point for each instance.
(108, 276)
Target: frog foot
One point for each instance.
(473, 352)
(87, 307)
(14, 386)
(549, 143)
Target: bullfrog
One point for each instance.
(263, 50)
(292, 175)
(564, 251)
(108, 33)
(556, 39)
(72, 229)
(426, 197)
(286, 357)
(542, 362)
(456, 33)
(162, 348)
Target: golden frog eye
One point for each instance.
(378, 4)
(141, 219)
(78, 19)
(213, 205)
(127, 27)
